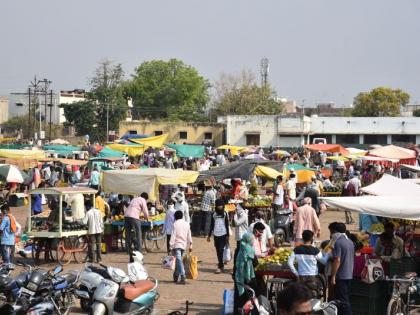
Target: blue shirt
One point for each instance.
(36, 203)
(366, 221)
(8, 237)
(344, 249)
(94, 178)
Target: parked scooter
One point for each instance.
(282, 226)
(120, 296)
(92, 276)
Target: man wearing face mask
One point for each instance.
(219, 227)
(169, 223)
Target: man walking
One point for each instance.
(207, 207)
(306, 219)
(342, 266)
(8, 229)
(132, 222)
(180, 240)
(95, 223)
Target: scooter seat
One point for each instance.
(70, 277)
(134, 290)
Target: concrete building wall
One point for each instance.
(179, 132)
(68, 97)
(18, 106)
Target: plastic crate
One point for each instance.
(361, 289)
(362, 305)
(398, 267)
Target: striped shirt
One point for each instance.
(307, 258)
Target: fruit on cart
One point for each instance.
(377, 228)
(158, 217)
(280, 257)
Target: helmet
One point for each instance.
(117, 275)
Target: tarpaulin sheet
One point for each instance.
(21, 154)
(327, 148)
(187, 150)
(65, 161)
(154, 142)
(108, 152)
(59, 147)
(389, 185)
(400, 207)
(134, 182)
(131, 150)
(267, 172)
(303, 173)
(405, 156)
(240, 169)
(234, 150)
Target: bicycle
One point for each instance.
(402, 291)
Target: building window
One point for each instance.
(253, 139)
(208, 136)
(403, 138)
(183, 135)
(347, 139)
(158, 132)
(375, 139)
(132, 132)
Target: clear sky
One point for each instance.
(319, 50)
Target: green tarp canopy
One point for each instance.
(187, 150)
(109, 153)
(15, 146)
(61, 150)
(299, 167)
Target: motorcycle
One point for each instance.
(120, 296)
(92, 276)
(282, 226)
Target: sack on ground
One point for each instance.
(136, 271)
(168, 262)
(191, 266)
(227, 254)
(372, 271)
(228, 296)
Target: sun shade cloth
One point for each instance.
(21, 154)
(187, 150)
(304, 174)
(108, 152)
(267, 172)
(131, 150)
(234, 150)
(327, 148)
(154, 142)
(389, 185)
(134, 182)
(404, 155)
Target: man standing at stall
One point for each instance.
(278, 197)
(95, 224)
(132, 222)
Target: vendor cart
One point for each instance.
(153, 236)
(63, 240)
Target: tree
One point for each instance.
(379, 102)
(168, 90)
(105, 97)
(241, 95)
(416, 113)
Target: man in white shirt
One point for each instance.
(266, 237)
(278, 197)
(355, 180)
(182, 205)
(93, 220)
(291, 187)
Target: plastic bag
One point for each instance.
(136, 272)
(227, 254)
(168, 262)
(228, 296)
(191, 266)
(372, 271)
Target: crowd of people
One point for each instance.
(250, 239)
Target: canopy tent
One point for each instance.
(303, 173)
(240, 169)
(22, 154)
(23, 163)
(405, 156)
(108, 152)
(132, 136)
(59, 147)
(16, 146)
(356, 152)
(338, 158)
(234, 150)
(378, 159)
(255, 156)
(154, 142)
(332, 148)
(400, 207)
(59, 141)
(187, 150)
(134, 182)
(411, 167)
(389, 185)
(131, 150)
(65, 161)
(267, 172)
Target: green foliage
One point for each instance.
(380, 102)
(168, 90)
(89, 116)
(416, 113)
(241, 95)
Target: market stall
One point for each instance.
(53, 231)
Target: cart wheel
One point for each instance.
(80, 249)
(65, 251)
(155, 238)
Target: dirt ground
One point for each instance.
(206, 292)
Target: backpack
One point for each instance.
(12, 220)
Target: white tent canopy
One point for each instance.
(400, 207)
(392, 186)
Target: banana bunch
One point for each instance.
(377, 228)
(159, 217)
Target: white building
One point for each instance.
(281, 131)
(69, 97)
(4, 109)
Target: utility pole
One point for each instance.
(107, 121)
(29, 114)
(50, 105)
